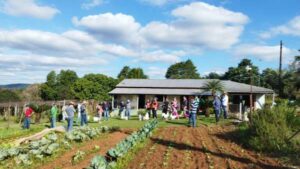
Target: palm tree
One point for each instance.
(214, 86)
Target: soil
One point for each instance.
(105, 143)
(202, 147)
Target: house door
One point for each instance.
(142, 101)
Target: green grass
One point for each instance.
(15, 131)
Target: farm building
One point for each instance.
(140, 90)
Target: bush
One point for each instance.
(271, 128)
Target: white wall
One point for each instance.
(260, 101)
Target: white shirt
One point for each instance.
(225, 100)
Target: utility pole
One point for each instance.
(280, 71)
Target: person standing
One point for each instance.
(70, 110)
(174, 108)
(165, 109)
(217, 107)
(28, 113)
(224, 101)
(148, 107)
(121, 108)
(128, 109)
(193, 111)
(83, 114)
(53, 114)
(154, 106)
(185, 107)
(106, 110)
(99, 111)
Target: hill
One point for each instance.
(14, 86)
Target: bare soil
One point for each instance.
(199, 148)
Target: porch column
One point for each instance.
(112, 102)
(240, 105)
(137, 102)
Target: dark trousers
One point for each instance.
(149, 112)
(83, 119)
(154, 113)
(27, 123)
(224, 108)
(217, 114)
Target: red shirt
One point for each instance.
(28, 112)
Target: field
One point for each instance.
(172, 145)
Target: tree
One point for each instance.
(58, 87)
(7, 95)
(213, 75)
(240, 74)
(269, 79)
(94, 86)
(214, 86)
(182, 70)
(32, 93)
(136, 73)
(132, 73)
(124, 72)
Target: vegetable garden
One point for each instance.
(138, 144)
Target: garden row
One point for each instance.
(122, 148)
(48, 145)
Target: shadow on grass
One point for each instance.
(183, 146)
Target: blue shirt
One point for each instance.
(70, 111)
(217, 103)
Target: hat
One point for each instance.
(71, 103)
(84, 102)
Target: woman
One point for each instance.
(148, 107)
(99, 111)
(165, 109)
(174, 108)
(185, 107)
(154, 106)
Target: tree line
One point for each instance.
(67, 85)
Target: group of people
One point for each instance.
(220, 103)
(125, 109)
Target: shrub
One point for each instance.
(271, 128)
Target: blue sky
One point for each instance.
(102, 36)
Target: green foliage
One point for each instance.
(182, 70)
(124, 72)
(58, 87)
(142, 112)
(132, 73)
(94, 86)
(213, 75)
(8, 95)
(78, 156)
(98, 162)
(240, 74)
(214, 86)
(271, 128)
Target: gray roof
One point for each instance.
(179, 87)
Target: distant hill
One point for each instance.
(14, 86)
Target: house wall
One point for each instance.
(132, 98)
(260, 100)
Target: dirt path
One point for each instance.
(105, 143)
(202, 147)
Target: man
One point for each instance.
(224, 104)
(217, 107)
(193, 113)
(128, 109)
(28, 113)
(70, 110)
(148, 108)
(83, 113)
(53, 113)
(165, 109)
(106, 110)
(154, 106)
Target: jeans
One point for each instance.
(27, 123)
(83, 119)
(193, 119)
(224, 108)
(127, 113)
(53, 121)
(106, 114)
(149, 112)
(217, 114)
(70, 124)
(154, 112)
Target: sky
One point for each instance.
(102, 36)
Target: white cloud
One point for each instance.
(110, 27)
(28, 8)
(197, 25)
(290, 28)
(264, 52)
(91, 4)
(160, 56)
(156, 72)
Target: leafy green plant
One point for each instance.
(78, 156)
(98, 162)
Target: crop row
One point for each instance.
(48, 145)
(121, 149)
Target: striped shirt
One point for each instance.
(194, 106)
